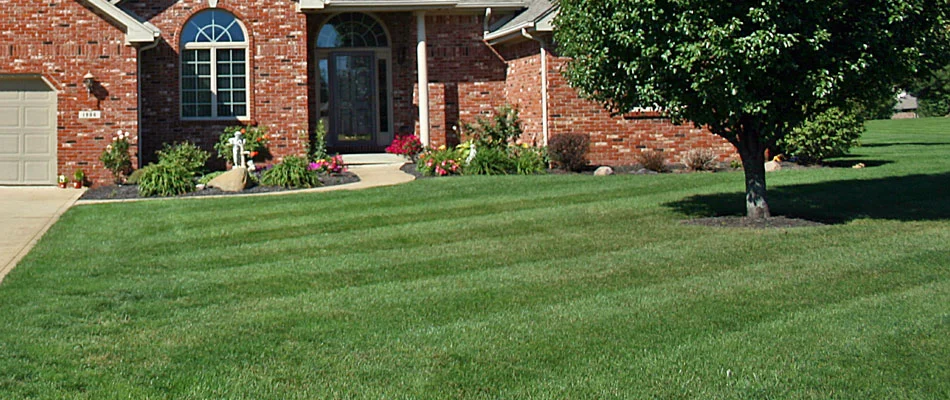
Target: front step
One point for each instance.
(373, 159)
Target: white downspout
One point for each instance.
(423, 69)
(544, 84)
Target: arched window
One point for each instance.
(352, 30)
(214, 77)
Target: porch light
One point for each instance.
(88, 81)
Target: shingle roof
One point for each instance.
(536, 11)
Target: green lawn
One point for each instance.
(503, 287)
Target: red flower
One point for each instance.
(253, 154)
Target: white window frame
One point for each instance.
(212, 47)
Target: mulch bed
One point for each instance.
(125, 192)
(753, 223)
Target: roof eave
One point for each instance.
(136, 32)
(401, 5)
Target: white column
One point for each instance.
(423, 68)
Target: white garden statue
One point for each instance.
(237, 150)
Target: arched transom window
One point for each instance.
(214, 77)
(352, 30)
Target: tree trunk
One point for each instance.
(752, 152)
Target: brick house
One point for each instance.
(74, 72)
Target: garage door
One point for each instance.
(27, 132)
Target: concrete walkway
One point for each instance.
(26, 213)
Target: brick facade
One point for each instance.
(278, 67)
(467, 78)
(62, 41)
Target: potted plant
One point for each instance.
(62, 181)
(78, 178)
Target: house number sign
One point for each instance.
(90, 114)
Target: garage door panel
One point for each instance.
(36, 117)
(43, 96)
(9, 144)
(9, 171)
(9, 95)
(9, 116)
(37, 145)
(36, 171)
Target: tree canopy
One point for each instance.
(750, 71)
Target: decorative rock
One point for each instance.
(234, 180)
(604, 171)
(858, 165)
(644, 171)
(772, 166)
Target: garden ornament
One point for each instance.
(237, 150)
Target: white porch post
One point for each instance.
(423, 67)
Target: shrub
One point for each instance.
(133, 178)
(490, 160)
(530, 160)
(165, 180)
(569, 151)
(503, 128)
(406, 145)
(440, 162)
(318, 146)
(184, 154)
(829, 134)
(700, 160)
(255, 142)
(293, 172)
(116, 157)
(653, 160)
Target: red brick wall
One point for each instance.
(466, 77)
(278, 54)
(62, 41)
(618, 140)
(615, 140)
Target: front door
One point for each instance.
(352, 99)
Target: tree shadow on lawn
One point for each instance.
(905, 144)
(904, 198)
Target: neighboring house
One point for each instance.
(74, 72)
(906, 106)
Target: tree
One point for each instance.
(749, 71)
(933, 92)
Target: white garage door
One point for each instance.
(27, 132)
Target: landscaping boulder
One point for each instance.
(604, 171)
(773, 166)
(234, 180)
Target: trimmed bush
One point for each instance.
(569, 151)
(185, 154)
(829, 134)
(653, 161)
(293, 172)
(165, 180)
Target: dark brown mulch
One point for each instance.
(753, 223)
(125, 192)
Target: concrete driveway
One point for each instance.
(26, 212)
